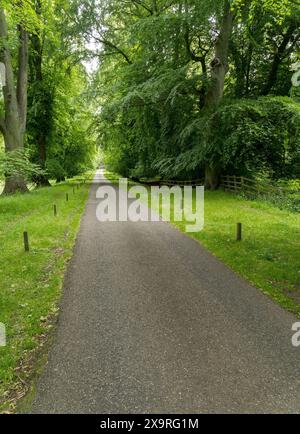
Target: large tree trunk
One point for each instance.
(22, 83)
(14, 184)
(36, 61)
(15, 103)
(219, 69)
(12, 140)
(219, 65)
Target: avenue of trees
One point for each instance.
(184, 88)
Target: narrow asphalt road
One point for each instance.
(152, 323)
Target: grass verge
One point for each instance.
(30, 283)
(268, 255)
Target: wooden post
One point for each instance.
(67, 197)
(227, 183)
(55, 210)
(239, 232)
(26, 241)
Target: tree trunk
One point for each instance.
(22, 83)
(219, 65)
(42, 180)
(212, 178)
(14, 184)
(15, 103)
(37, 76)
(279, 56)
(219, 69)
(36, 61)
(60, 179)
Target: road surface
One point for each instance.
(151, 322)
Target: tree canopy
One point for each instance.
(176, 77)
(183, 88)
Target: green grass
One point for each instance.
(30, 283)
(269, 254)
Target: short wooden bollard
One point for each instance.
(26, 241)
(55, 210)
(239, 232)
(67, 197)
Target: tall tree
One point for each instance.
(40, 95)
(219, 69)
(13, 122)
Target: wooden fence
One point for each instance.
(240, 184)
(229, 183)
(171, 183)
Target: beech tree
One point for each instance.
(13, 120)
(219, 68)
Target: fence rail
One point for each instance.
(171, 183)
(229, 183)
(240, 184)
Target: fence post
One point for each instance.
(26, 241)
(55, 210)
(239, 232)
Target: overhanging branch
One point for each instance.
(117, 49)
